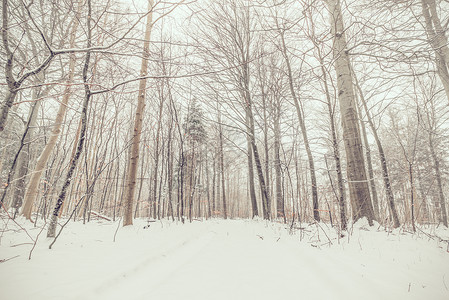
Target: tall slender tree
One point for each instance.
(137, 128)
(356, 172)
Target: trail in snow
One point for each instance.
(226, 260)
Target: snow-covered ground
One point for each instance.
(219, 259)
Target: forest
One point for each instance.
(287, 112)
(306, 110)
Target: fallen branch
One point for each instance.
(118, 226)
(96, 214)
(5, 260)
(11, 218)
(21, 244)
(35, 242)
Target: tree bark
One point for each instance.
(156, 156)
(358, 185)
(437, 39)
(383, 160)
(369, 163)
(436, 166)
(24, 157)
(32, 188)
(265, 196)
(252, 189)
(225, 211)
(54, 218)
(137, 129)
(280, 210)
(336, 152)
(316, 213)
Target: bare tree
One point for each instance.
(32, 187)
(358, 185)
(137, 128)
(436, 36)
(300, 114)
(79, 147)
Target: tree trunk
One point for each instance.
(336, 151)
(208, 215)
(252, 189)
(280, 210)
(358, 185)
(369, 163)
(137, 129)
(32, 188)
(220, 133)
(316, 212)
(24, 157)
(436, 166)
(214, 172)
(412, 194)
(11, 93)
(265, 139)
(437, 39)
(156, 156)
(170, 169)
(54, 218)
(265, 196)
(383, 160)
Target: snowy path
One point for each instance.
(226, 260)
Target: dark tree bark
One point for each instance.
(54, 218)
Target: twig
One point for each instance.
(433, 236)
(37, 238)
(21, 244)
(5, 260)
(9, 216)
(68, 220)
(118, 226)
(324, 233)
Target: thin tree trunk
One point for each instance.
(383, 160)
(265, 139)
(252, 189)
(412, 194)
(336, 152)
(139, 193)
(265, 197)
(220, 137)
(214, 172)
(24, 158)
(316, 213)
(436, 166)
(10, 176)
(207, 188)
(137, 129)
(156, 156)
(280, 210)
(369, 163)
(54, 218)
(170, 167)
(192, 180)
(32, 188)
(437, 39)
